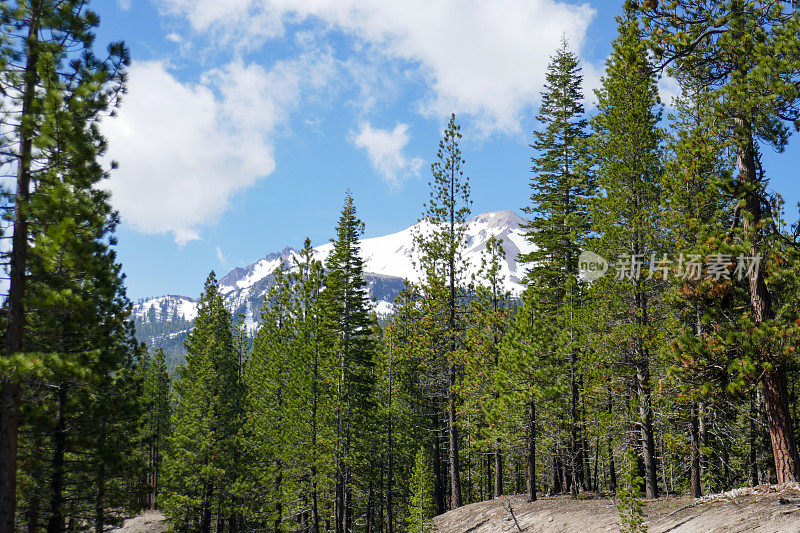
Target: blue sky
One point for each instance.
(247, 120)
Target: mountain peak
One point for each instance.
(388, 260)
(499, 219)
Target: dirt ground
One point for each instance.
(768, 509)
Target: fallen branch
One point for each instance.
(510, 509)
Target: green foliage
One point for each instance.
(627, 156)
(79, 390)
(199, 464)
(154, 423)
(629, 497)
(561, 184)
(421, 508)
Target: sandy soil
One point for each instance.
(767, 509)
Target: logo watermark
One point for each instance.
(592, 267)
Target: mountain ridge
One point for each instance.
(388, 261)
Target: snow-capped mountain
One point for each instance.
(388, 260)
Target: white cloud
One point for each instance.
(220, 255)
(185, 149)
(124, 5)
(385, 151)
(668, 90)
(174, 37)
(486, 58)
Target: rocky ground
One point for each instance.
(767, 508)
(147, 522)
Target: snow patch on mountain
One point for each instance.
(394, 255)
(165, 308)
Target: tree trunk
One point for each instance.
(753, 455)
(390, 457)
(648, 442)
(555, 473)
(438, 479)
(489, 484)
(56, 522)
(279, 503)
(498, 470)
(612, 471)
(99, 502)
(575, 449)
(348, 507)
(205, 512)
(695, 452)
(455, 477)
(370, 518)
(9, 396)
(530, 457)
(776, 404)
(452, 433)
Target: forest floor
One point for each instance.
(766, 508)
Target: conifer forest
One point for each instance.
(653, 351)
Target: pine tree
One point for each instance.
(629, 499)
(312, 387)
(56, 91)
(444, 267)
(405, 367)
(347, 309)
(421, 508)
(627, 149)
(267, 378)
(748, 55)
(528, 383)
(487, 323)
(199, 454)
(561, 186)
(697, 218)
(155, 422)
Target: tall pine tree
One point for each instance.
(444, 267)
(55, 91)
(346, 304)
(627, 146)
(561, 186)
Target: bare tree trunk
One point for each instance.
(9, 396)
(389, 472)
(455, 477)
(575, 449)
(784, 450)
(370, 525)
(530, 457)
(697, 491)
(646, 418)
(205, 516)
(489, 488)
(556, 486)
(498, 470)
(438, 479)
(612, 471)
